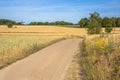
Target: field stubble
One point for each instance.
(42, 30)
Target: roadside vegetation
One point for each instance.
(100, 59)
(13, 48)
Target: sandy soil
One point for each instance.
(50, 63)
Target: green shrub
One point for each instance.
(10, 25)
(108, 29)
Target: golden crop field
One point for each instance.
(46, 30)
(42, 30)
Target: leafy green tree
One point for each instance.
(83, 22)
(118, 22)
(94, 24)
(113, 19)
(108, 23)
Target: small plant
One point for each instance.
(10, 25)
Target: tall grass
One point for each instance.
(101, 59)
(13, 48)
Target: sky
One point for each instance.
(56, 10)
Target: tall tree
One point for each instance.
(94, 24)
(83, 22)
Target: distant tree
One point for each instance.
(20, 23)
(118, 22)
(108, 23)
(46, 23)
(10, 25)
(51, 23)
(6, 21)
(94, 24)
(33, 23)
(83, 22)
(113, 19)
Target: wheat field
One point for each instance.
(42, 30)
(46, 30)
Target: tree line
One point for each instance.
(7, 21)
(113, 21)
(51, 23)
(95, 23)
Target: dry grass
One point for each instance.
(101, 58)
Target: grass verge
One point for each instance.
(100, 58)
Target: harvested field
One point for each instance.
(42, 30)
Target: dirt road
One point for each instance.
(49, 63)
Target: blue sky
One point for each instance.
(56, 10)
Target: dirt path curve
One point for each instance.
(49, 63)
